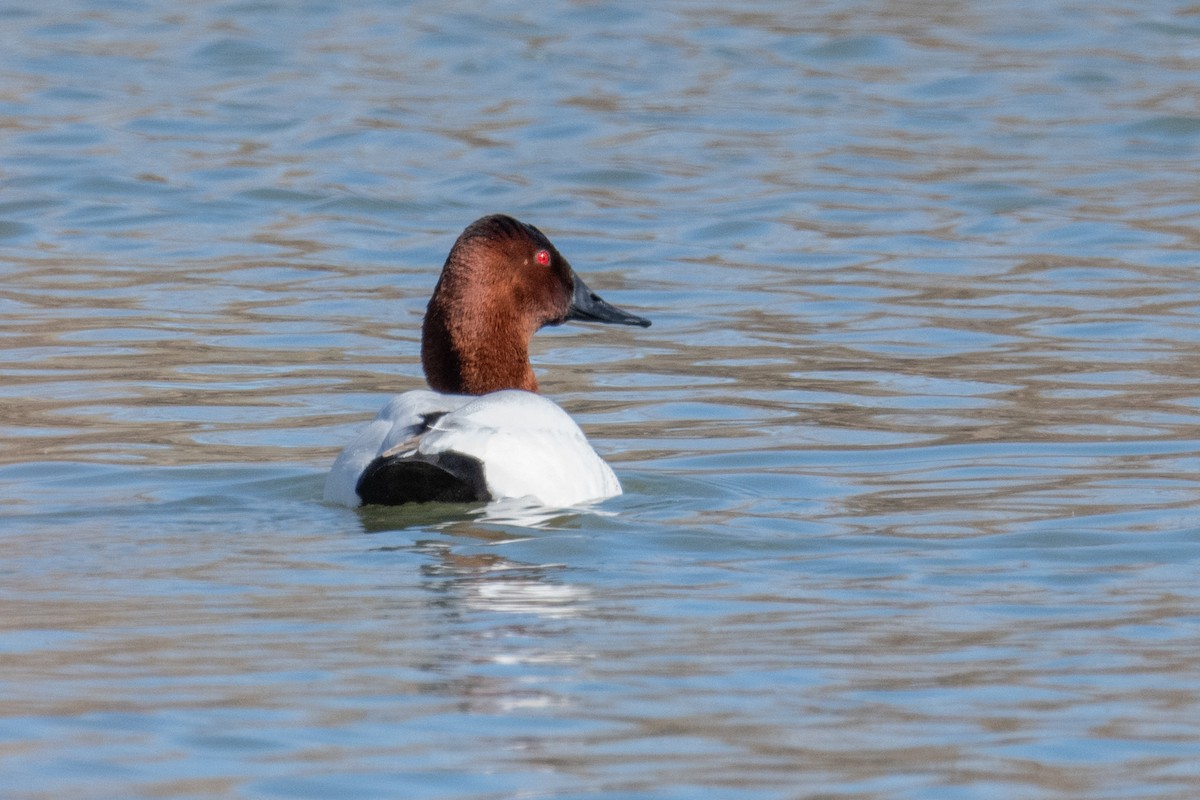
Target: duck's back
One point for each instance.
(528, 446)
(507, 444)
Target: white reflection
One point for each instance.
(525, 595)
(527, 514)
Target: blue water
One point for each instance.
(910, 454)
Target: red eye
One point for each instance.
(543, 257)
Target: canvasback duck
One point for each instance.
(484, 433)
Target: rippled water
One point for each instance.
(910, 453)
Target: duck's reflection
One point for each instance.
(494, 583)
(520, 513)
(528, 596)
(504, 635)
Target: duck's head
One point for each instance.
(501, 283)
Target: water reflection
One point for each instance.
(503, 650)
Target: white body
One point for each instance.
(529, 447)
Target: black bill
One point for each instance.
(587, 306)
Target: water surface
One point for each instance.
(910, 453)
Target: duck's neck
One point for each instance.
(469, 357)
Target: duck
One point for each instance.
(482, 432)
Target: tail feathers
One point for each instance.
(394, 480)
